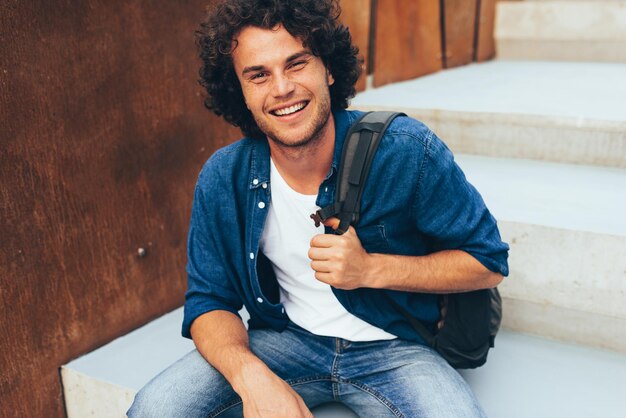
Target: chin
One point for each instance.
(291, 142)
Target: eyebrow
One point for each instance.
(293, 57)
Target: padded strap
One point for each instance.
(356, 159)
(355, 180)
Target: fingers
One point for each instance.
(320, 254)
(321, 266)
(329, 240)
(323, 241)
(324, 277)
(332, 222)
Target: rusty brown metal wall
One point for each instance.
(485, 42)
(102, 136)
(103, 133)
(408, 40)
(459, 30)
(356, 15)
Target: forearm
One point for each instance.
(222, 339)
(447, 271)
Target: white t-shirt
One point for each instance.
(285, 241)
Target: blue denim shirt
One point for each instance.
(416, 201)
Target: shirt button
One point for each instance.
(326, 189)
(264, 185)
(255, 181)
(260, 300)
(251, 256)
(261, 205)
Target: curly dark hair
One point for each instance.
(315, 22)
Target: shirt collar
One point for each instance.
(260, 165)
(343, 122)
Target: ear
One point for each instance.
(329, 78)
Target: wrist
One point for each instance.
(372, 270)
(248, 376)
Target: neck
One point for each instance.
(304, 168)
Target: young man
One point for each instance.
(322, 326)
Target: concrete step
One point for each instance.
(593, 31)
(103, 383)
(563, 112)
(524, 376)
(567, 231)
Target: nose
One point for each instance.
(282, 86)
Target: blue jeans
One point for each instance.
(393, 378)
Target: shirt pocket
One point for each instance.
(373, 238)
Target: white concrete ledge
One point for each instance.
(567, 285)
(524, 376)
(572, 197)
(564, 112)
(567, 232)
(561, 30)
(562, 20)
(560, 50)
(534, 137)
(565, 324)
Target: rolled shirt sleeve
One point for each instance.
(208, 276)
(452, 212)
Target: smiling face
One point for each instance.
(285, 86)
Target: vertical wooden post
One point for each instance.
(458, 31)
(407, 40)
(485, 23)
(356, 15)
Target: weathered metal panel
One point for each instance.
(356, 14)
(103, 134)
(485, 42)
(408, 40)
(459, 30)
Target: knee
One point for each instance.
(150, 401)
(183, 391)
(157, 399)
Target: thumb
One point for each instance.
(332, 222)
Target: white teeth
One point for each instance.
(289, 110)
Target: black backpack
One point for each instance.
(470, 320)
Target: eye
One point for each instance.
(297, 65)
(258, 77)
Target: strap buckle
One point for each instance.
(317, 218)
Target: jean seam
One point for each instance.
(302, 380)
(378, 396)
(335, 372)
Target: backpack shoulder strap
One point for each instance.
(357, 155)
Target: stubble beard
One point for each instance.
(309, 139)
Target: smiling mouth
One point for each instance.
(290, 110)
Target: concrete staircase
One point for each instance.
(545, 143)
(565, 30)
(525, 376)
(541, 132)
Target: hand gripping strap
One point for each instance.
(356, 159)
